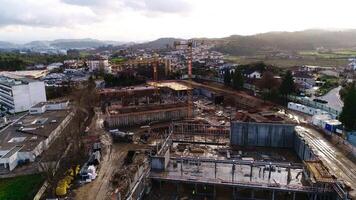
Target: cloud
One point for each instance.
(160, 6)
(148, 6)
(44, 13)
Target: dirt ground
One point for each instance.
(113, 155)
(100, 188)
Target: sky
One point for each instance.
(142, 20)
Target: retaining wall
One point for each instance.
(262, 134)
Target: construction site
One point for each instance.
(218, 146)
(199, 140)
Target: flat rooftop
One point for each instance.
(176, 86)
(35, 128)
(32, 74)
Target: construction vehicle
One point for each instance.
(119, 136)
(64, 184)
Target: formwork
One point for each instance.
(199, 133)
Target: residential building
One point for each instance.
(18, 95)
(253, 74)
(54, 66)
(304, 79)
(98, 63)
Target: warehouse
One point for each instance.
(25, 140)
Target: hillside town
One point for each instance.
(216, 108)
(130, 122)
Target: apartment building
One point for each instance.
(98, 63)
(18, 95)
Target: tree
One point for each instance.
(348, 114)
(237, 80)
(268, 82)
(227, 77)
(269, 86)
(287, 87)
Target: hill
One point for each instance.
(60, 44)
(287, 41)
(7, 45)
(156, 44)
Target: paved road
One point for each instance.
(333, 98)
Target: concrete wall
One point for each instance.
(144, 118)
(37, 92)
(262, 134)
(204, 92)
(27, 95)
(160, 163)
(302, 149)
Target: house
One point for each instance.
(352, 64)
(251, 73)
(304, 79)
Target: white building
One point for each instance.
(252, 74)
(19, 95)
(31, 135)
(98, 63)
(54, 66)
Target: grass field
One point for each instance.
(332, 54)
(20, 188)
(117, 60)
(290, 62)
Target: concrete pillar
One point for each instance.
(270, 171)
(214, 193)
(233, 172)
(252, 194)
(259, 172)
(272, 194)
(289, 175)
(181, 166)
(315, 196)
(234, 193)
(215, 168)
(251, 168)
(293, 195)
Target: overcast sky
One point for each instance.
(141, 20)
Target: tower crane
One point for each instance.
(188, 46)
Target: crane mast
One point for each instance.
(188, 45)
